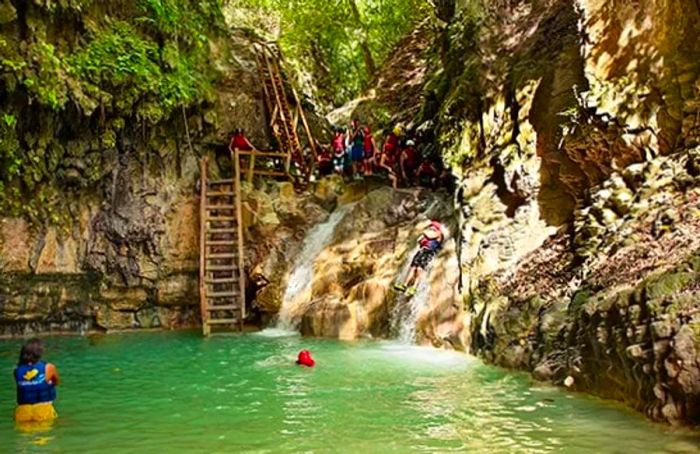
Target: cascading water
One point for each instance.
(407, 309)
(405, 313)
(298, 288)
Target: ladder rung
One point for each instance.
(221, 218)
(220, 193)
(220, 207)
(221, 243)
(221, 268)
(222, 294)
(222, 321)
(215, 182)
(221, 230)
(231, 307)
(224, 280)
(221, 256)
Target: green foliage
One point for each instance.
(324, 37)
(139, 64)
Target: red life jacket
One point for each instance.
(239, 142)
(324, 156)
(427, 168)
(369, 145)
(410, 158)
(392, 142)
(339, 145)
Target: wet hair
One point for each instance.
(31, 352)
(238, 131)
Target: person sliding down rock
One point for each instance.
(430, 243)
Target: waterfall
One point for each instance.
(298, 291)
(405, 313)
(407, 309)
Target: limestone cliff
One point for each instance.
(106, 112)
(574, 127)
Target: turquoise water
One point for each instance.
(177, 392)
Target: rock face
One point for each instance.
(574, 129)
(350, 292)
(127, 255)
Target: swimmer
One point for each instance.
(36, 382)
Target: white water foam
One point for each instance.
(299, 284)
(406, 311)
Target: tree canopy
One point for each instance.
(337, 44)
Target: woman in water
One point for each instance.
(36, 382)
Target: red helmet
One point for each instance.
(304, 359)
(436, 225)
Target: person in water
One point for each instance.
(430, 243)
(36, 383)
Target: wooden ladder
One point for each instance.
(221, 267)
(284, 121)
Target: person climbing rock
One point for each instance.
(36, 383)
(338, 145)
(304, 359)
(430, 243)
(370, 149)
(357, 147)
(240, 142)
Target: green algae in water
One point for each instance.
(177, 392)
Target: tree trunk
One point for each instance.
(370, 65)
(445, 9)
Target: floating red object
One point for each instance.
(305, 359)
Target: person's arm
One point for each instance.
(52, 375)
(252, 147)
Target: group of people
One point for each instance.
(407, 159)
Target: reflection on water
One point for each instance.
(176, 392)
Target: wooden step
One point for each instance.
(221, 230)
(222, 294)
(221, 218)
(220, 207)
(230, 242)
(230, 307)
(220, 193)
(219, 182)
(221, 256)
(222, 321)
(221, 268)
(223, 280)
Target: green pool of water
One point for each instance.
(177, 392)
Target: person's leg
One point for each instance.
(411, 289)
(412, 276)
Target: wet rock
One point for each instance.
(178, 290)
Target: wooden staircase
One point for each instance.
(221, 275)
(285, 120)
